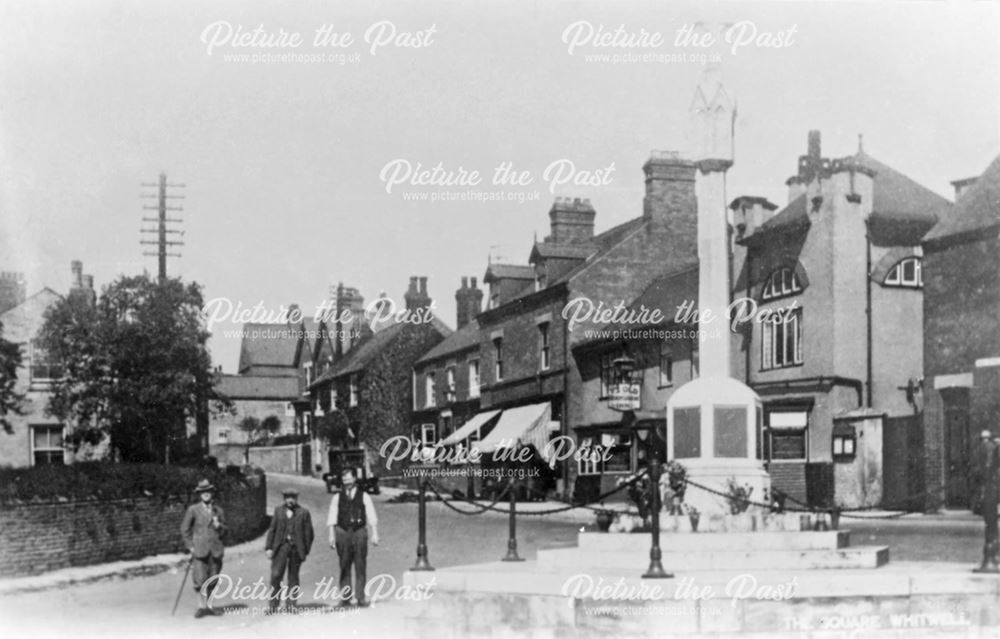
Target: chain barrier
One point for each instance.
(482, 509)
(506, 511)
(804, 507)
(842, 512)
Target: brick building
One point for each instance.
(840, 265)
(37, 438)
(446, 378)
(665, 357)
(526, 341)
(961, 344)
(366, 394)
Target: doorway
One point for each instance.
(958, 443)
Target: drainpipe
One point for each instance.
(564, 426)
(868, 309)
(749, 332)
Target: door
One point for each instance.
(958, 458)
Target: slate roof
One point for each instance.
(370, 348)
(258, 387)
(902, 210)
(602, 243)
(977, 210)
(509, 271)
(666, 293)
(268, 345)
(571, 251)
(463, 339)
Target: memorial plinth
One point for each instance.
(713, 426)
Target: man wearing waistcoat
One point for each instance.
(289, 540)
(203, 528)
(351, 513)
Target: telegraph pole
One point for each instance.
(161, 230)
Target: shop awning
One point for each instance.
(465, 430)
(522, 425)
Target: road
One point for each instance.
(141, 606)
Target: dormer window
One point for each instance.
(905, 274)
(781, 283)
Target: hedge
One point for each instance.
(108, 480)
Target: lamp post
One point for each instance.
(655, 570)
(512, 540)
(422, 563)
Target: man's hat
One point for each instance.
(204, 486)
(290, 492)
(986, 434)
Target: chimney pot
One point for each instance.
(473, 281)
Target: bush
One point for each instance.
(105, 480)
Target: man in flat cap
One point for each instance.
(289, 540)
(203, 527)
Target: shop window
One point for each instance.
(588, 462)
(786, 436)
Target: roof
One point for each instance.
(902, 211)
(463, 339)
(793, 217)
(604, 242)
(509, 271)
(269, 345)
(565, 251)
(977, 209)
(370, 347)
(258, 387)
(666, 294)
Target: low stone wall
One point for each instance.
(38, 537)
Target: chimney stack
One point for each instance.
(571, 221)
(416, 295)
(961, 186)
(76, 266)
(814, 145)
(468, 302)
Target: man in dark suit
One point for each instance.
(289, 540)
(351, 514)
(203, 528)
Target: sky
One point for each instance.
(287, 162)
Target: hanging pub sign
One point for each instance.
(624, 396)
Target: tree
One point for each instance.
(257, 431)
(335, 429)
(10, 400)
(136, 366)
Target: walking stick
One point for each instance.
(183, 581)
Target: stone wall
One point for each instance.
(39, 537)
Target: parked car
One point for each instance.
(342, 458)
